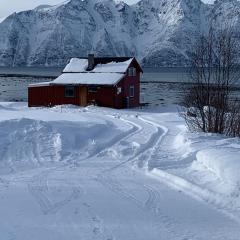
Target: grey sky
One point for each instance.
(9, 6)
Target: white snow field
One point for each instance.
(70, 173)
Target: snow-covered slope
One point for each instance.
(2, 19)
(158, 32)
(96, 173)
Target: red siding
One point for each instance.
(105, 96)
(125, 84)
(132, 81)
(50, 96)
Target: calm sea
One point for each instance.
(159, 86)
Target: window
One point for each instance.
(69, 92)
(92, 89)
(132, 72)
(119, 90)
(131, 91)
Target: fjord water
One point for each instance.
(163, 86)
(159, 86)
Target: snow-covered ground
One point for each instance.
(96, 173)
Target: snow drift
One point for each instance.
(26, 142)
(224, 161)
(82, 176)
(31, 141)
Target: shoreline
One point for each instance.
(26, 75)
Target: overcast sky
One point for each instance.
(9, 6)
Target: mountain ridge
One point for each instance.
(157, 32)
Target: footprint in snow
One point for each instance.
(96, 230)
(97, 225)
(96, 219)
(86, 205)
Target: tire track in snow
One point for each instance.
(153, 197)
(190, 188)
(151, 145)
(4, 183)
(136, 130)
(38, 188)
(113, 185)
(125, 135)
(151, 204)
(169, 222)
(102, 148)
(194, 191)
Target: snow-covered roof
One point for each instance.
(103, 74)
(89, 78)
(76, 65)
(113, 67)
(41, 84)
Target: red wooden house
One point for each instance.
(108, 82)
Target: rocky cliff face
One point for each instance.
(158, 32)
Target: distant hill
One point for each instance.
(158, 32)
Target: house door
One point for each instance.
(83, 96)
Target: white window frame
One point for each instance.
(129, 72)
(132, 91)
(119, 90)
(132, 72)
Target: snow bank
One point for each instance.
(225, 162)
(214, 161)
(181, 143)
(181, 184)
(26, 143)
(33, 137)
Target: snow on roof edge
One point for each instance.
(89, 78)
(75, 73)
(109, 79)
(42, 84)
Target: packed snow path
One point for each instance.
(93, 173)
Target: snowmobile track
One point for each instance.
(38, 188)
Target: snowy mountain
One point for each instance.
(2, 19)
(158, 32)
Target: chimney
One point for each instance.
(90, 62)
